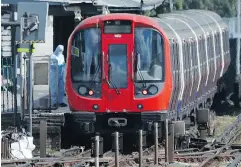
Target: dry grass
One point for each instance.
(222, 122)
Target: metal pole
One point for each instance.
(238, 40)
(30, 89)
(140, 148)
(14, 58)
(97, 140)
(171, 5)
(156, 142)
(116, 149)
(43, 138)
(21, 87)
(25, 85)
(171, 143)
(166, 138)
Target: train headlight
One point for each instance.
(95, 107)
(140, 106)
(82, 90)
(144, 92)
(152, 89)
(91, 92)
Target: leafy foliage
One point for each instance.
(225, 8)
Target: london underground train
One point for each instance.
(127, 71)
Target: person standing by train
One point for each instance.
(57, 68)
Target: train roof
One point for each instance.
(187, 24)
(190, 23)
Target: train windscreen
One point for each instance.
(149, 64)
(86, 56)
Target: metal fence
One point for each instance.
(7, 83)
(41, 84)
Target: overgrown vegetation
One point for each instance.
(225, 8)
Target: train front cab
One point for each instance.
(117, 82)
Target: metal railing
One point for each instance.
(7, 91)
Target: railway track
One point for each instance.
(224, 150)
(108, 159)
(227, 138)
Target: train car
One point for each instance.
(127, 71)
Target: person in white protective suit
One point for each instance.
(57, 73)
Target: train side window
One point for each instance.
(177, 73)
(219, 48)
(193, 51)
(203, 55)
(209, 57)
(216, 45)
(188, 72)
(224, 42)
(212, 51)
(184, 69)
(173, 50)
(226, 47)
(200, 54)
(195, 58)
(184, 55)
(203, 61)
(219, 44)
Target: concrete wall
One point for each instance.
(46, 49)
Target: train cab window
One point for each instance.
(149, 55)
(85, 56)
(118, 65)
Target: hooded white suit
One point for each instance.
(57, 67)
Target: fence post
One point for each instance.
(30, 88)
(140, 147)
(117, 149)
(14, 58)
(97, 148)
(166, 138)
(43, 138)
(171, 142)
(156, 142)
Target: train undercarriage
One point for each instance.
(190, 131)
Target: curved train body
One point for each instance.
(126, 71)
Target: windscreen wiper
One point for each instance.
(96, 73)
(138, 70)
(112, 83)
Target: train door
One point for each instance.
(117, 86)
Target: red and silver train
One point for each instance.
(127, 71)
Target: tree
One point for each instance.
(225, 8)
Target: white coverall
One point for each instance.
(57, 68)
